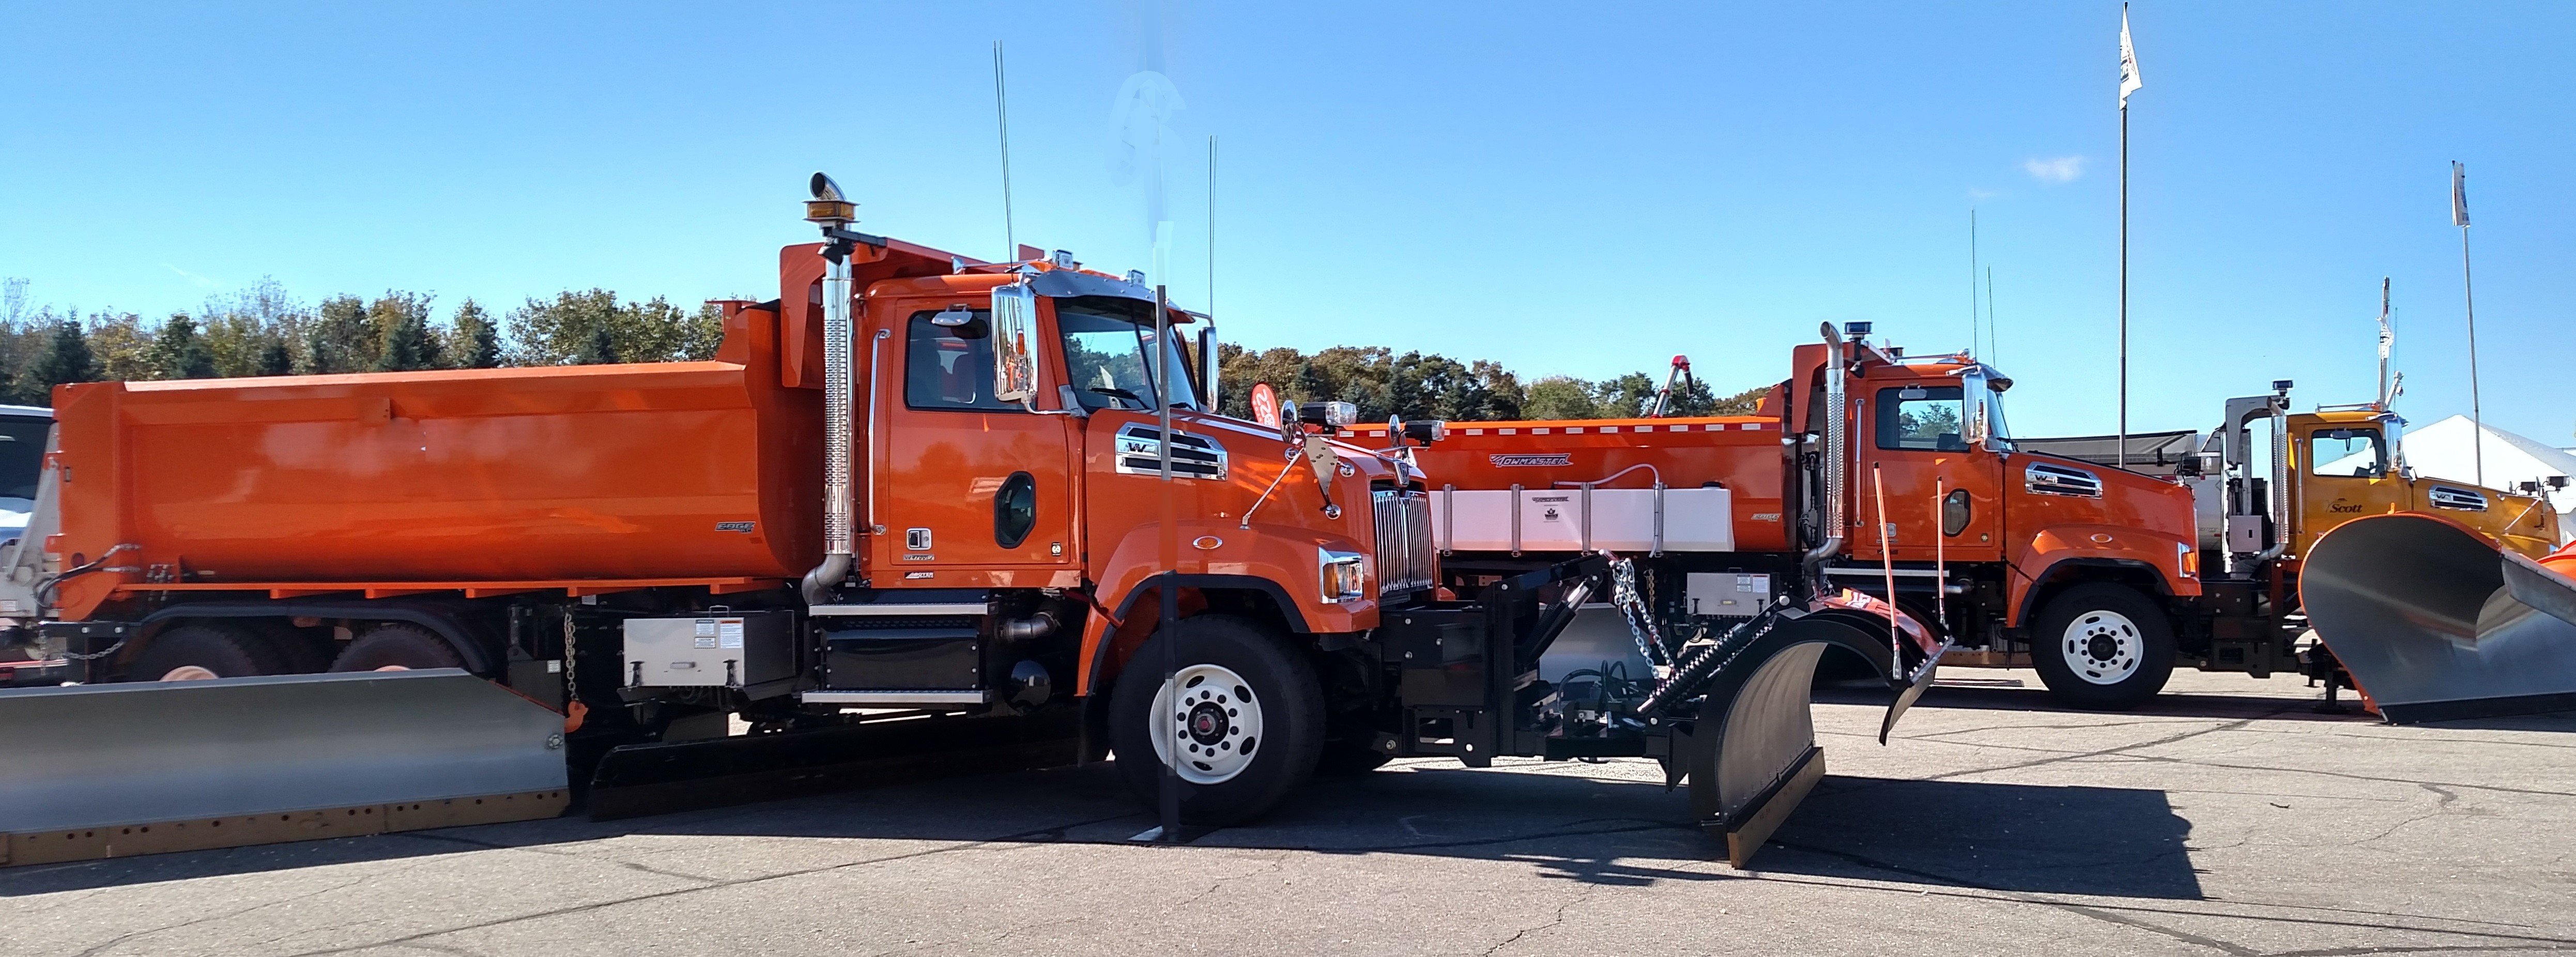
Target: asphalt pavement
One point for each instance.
(2226, 818)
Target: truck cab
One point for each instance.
(2349, 464)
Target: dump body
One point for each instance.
(700, 470)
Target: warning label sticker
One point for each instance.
(729, 633)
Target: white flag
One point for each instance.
(2459, 194)
(2128, 61)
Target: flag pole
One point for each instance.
(2129, 83)
(2469, 301)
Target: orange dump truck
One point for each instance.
(1865, 470)
(914, 486)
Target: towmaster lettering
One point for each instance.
(1530, 461)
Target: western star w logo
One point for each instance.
(1526, 461)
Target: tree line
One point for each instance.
(1416, 386)
(264, 331)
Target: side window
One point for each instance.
(2347, 453)
(951, 366)
(1920, 419)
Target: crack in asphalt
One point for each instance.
(532, 849)
(101, 948)
(2113, 914)
(1557, 920)
(1015, 837)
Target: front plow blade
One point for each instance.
(99, 771)
(2435, 624)
(1752, 756)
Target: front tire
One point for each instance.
(1248, 728)
(2102, 647)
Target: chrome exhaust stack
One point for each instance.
(1831, 523)
(832, 211)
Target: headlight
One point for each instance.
(1344, 575)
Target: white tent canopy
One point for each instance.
(2445, 449)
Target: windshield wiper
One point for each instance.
(1118, 393)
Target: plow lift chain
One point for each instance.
(1638, 609)
(1679, 677)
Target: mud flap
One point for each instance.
(1752, 755)
(2436, 624)
(99, 771)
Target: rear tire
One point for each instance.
(190, 652)
(1246, 690)
(2102, 647)
(396, 646)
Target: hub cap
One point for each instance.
(2102, 647)
(1215, 724)
(190, 673)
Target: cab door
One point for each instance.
(2342, 473)
(973, 489)
(1940, 486)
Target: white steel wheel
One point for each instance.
(189, 673)
(1215, 725)
(2102, 647)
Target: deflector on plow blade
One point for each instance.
(115, 770)
(2434, 623)
(1752, 756)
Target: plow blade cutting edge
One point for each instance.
(2435, 623)
(99, 771)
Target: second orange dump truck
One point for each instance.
(1896, 476)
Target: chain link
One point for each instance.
(1637, 611)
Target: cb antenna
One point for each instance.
(1002, 123)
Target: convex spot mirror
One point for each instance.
(1015, 320)
(953, 317)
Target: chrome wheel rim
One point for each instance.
(1215, 725)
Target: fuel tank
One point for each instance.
(667, 470)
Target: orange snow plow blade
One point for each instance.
(2436, 623)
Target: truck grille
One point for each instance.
(1140, 452)
(1406, 560)
(2044, 479)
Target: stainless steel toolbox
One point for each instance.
(717, 650)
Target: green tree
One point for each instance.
(274, 359)
(1561, 397)
(403, 340)
(702, 333)
(473, 341)
(562, 331)
(123, 346)
(244, 327)
(66, 358)
(178, 352)
(340, 338)
(602, 349)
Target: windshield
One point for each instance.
(22, 461)
(1108, 354)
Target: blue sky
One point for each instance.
(1580, 189)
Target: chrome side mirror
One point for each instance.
(1015, 365)
(1208, 367)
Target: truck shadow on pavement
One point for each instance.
(1611, 824)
